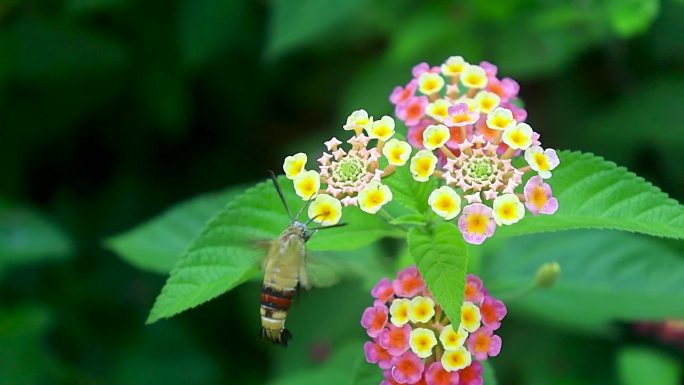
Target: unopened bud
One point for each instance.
(548, 274)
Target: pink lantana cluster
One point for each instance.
(413, 341)
(670, 331)
(468, 128)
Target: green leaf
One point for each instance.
(297, 22)
(156, 245)
(27, 237)
(408, 192)
(631, 17)
(409, 219)
(442, 258)
(225, 255)
(606, 276)
(594, 193)
(488, 375)
(365, 373)
(638, 366)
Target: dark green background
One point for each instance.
(112, 110)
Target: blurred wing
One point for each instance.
(268, 248)
(321, 273)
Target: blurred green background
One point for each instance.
(113, 110)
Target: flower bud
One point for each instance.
(548, 274)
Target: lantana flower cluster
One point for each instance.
(413, 341)
(350, 175)
(469, 131)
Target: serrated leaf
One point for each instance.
(442, 258)
(606, 276)
(156, 245)
(27, 237)
(642, 365)
(297, 22)
(408, 192)
(224, 254)
(595, 193)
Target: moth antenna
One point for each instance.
(308, 201)
(312, 219)
(328, 227)
(280, 194)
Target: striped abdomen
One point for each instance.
(274, 306)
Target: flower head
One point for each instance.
(473, 291)
(471, 136)
(539, 198)
(420, 345)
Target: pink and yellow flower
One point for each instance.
(374, 320)
(473, 290)
(395, 339)
(409, 283)
(412, 110)
(407, 368)
(411, 344)
(460, 114)
(492, 312)
(542, 161)
(437, 375)
(508, 209)
(539, 198)
(376, 354)
(476, 223)
(383, 290)
(483, 343)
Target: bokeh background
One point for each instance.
(113, 110)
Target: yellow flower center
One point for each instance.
(382, 131)
(445, 203)
(437, 138)
(542, 161)
(430, 85)
(376, 197)
(473, 79)
(396, 154)
(500, 121)
(538, 197)
(507, 211)
(440, 111)
(518, 138)
(423, 165)
(477, 223)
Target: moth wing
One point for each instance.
(269, 247)
(321, 273)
